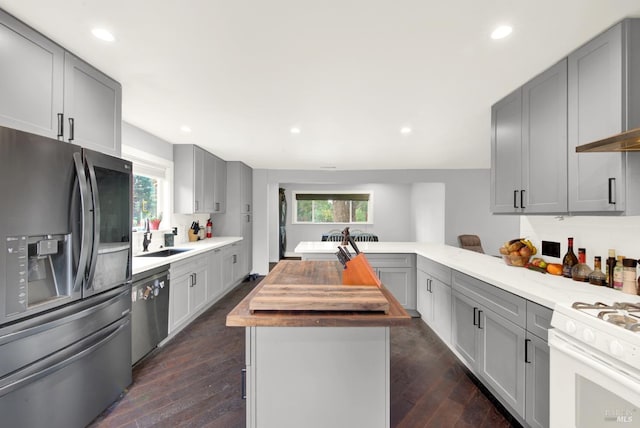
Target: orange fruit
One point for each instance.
(554, 268)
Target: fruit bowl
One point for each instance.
(516, 260)
(517, 252)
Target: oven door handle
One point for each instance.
(621, 376)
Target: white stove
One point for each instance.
(595, 365)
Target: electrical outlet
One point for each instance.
(550, 248)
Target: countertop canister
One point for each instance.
(629, 283)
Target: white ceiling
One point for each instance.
(348, 73)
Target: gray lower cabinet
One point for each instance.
(537, 381)
(48, 91)
(489, 334)
(188, 290)
(526, 126)
(433, 283)
(232, 265)
(398, 273)
(501, 358)
(465, 333)
(215, 284)
(199, 281)
(537, 365)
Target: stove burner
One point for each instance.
(622, 314)
(597, 305)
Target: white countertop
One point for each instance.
(545, 289)
(141, 264)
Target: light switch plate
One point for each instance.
(551, 248)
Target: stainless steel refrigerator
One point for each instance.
(65, 281)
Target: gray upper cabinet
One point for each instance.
(196, 182)
(544, 141)
(31, 79)
(526, 126)
(92, 107)
(604, 89)
(219, 185)
(506, 153)
(205, 177)
(188, 180)
(48, 91)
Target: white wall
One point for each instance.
(466, 205)
(428, 212)
(594, 233)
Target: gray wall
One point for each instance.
(466, 205)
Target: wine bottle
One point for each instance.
(569, 260)
(611, 263)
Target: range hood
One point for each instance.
(624, 142)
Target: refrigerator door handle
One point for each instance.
(96, 221)
(86, 222)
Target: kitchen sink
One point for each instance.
(165, 253)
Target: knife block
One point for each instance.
(358, 271)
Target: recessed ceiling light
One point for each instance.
(295, 130)
(406, 130)
(501, 32)
(185, 128)
(103, 34)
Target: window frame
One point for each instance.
(154, 167)
(294, 212)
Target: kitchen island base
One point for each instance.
(317, 377)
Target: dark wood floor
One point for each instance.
(194, 380)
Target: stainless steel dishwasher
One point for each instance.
(149, 311)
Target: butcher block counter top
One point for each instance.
(311, 294)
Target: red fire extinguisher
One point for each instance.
(209, 226)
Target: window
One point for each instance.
(151, 188)
(334, 207)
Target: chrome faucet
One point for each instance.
(146, 241)
(147, 237)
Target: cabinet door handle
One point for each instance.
(522, 199)
(60, 125)
(71, 129)
(526, 351)
(475, 312)
(612, 190)
(195, 279)
(235, 258)
(515, 199)
(479, 318)
(196, 205)
(243, 384)
(248, 207)
(217, 206)
(248, 218)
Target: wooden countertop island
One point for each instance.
(310, 294)
(310, 362)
